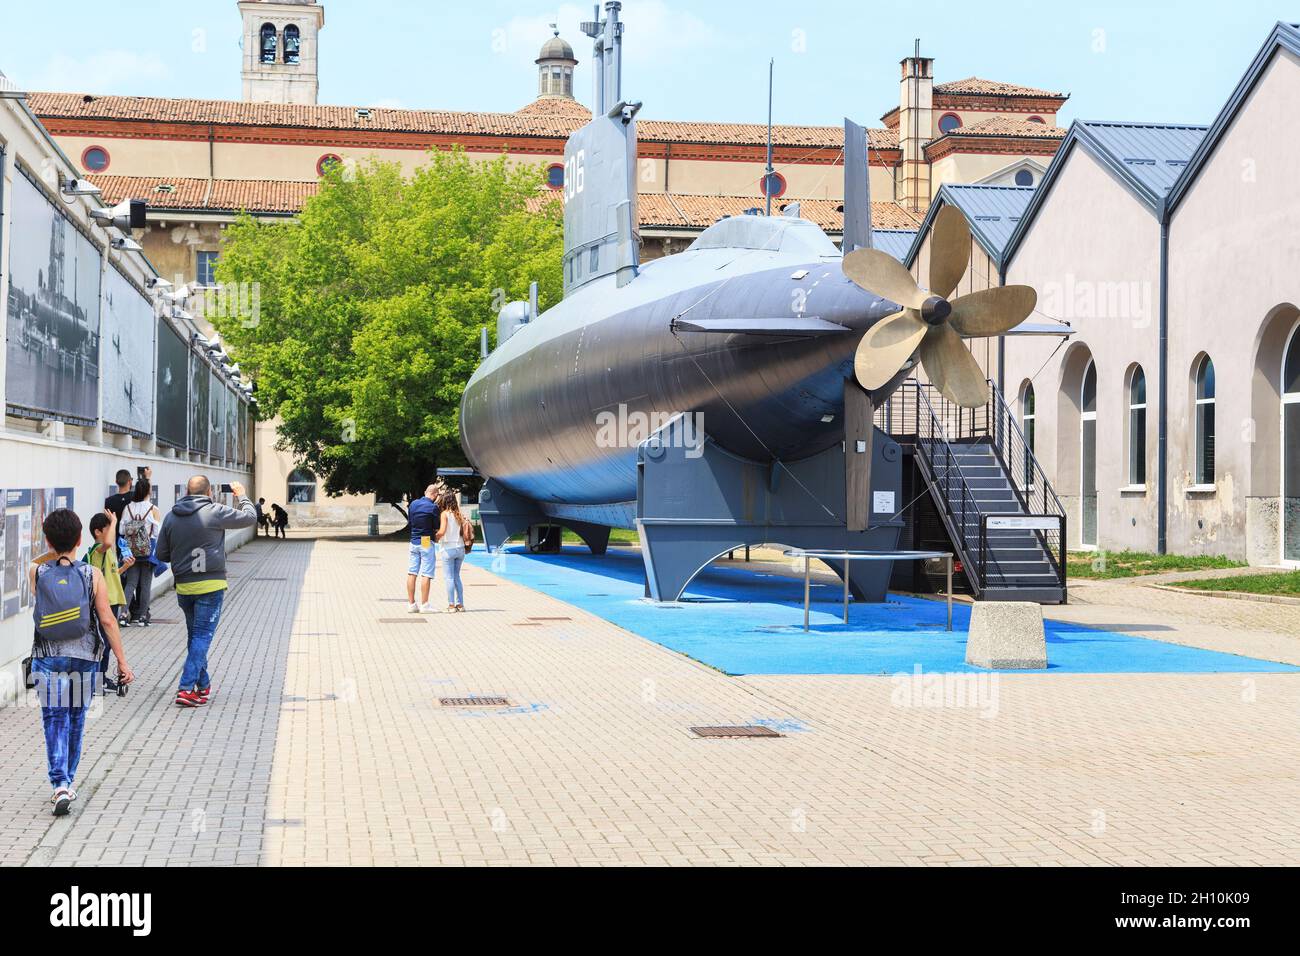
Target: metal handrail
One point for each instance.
(994, 421)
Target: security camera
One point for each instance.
(178, 295)
(127, 215)
(79, 187)
(125, 244)
(157, 282)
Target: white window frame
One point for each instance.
(1199, 479)
(1288, 398)
(1134, 481)
(1085, 416)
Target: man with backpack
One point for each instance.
(73, 617)
(193, 539)
(139, 527)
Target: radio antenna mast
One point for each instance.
(767, 174)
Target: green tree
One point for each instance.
(371, 304)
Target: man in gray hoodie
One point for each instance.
(193, 540)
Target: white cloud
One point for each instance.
(109, 71)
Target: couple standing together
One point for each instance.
(437, 524)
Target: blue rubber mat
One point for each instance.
(751, 622)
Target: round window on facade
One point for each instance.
(773, 184)
(949, 122)
(555, 175)
(95, 159)
(325, 162)
(1024, 177)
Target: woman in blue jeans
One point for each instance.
(451, 542)
(69, 596)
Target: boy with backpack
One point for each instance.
(103, 555)
(73, 616)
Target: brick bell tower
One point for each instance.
(280, 50)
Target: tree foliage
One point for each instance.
(371, 304)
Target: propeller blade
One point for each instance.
(886, 346)
(952, 369)
(949, 251)
(992, 311)
(880, 273)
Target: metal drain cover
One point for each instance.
(473, 702)
(748, 730)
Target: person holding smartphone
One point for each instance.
(193, 540)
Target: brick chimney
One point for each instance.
(915, 114)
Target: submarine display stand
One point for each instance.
(695, 502)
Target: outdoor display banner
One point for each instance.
(200, 427)
(232, 425)
(52, 334)
(128, 355)
(245, 433)
(216, 415)
(22, 539)
(173, 386)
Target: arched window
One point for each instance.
(1028, 422)
(1088, 456)
(1291, 448)
(949, 122)
(1137, 427)
(1205, 422)
(555, 175)
(302, 487)
(292, 44)
(1024, 177)
(1037, 119)
(268, 43)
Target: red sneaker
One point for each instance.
(204, 695)
(187, 698)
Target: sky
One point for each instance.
(685, 59)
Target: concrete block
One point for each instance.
(1006, 635)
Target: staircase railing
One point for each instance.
(1027, 477)
(917, 409)
(909, 411)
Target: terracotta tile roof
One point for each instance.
(555, 106)
(225, 195)
(526, 122)
(975, 86)
(653, 209)
(676, 210)
(1009, 126)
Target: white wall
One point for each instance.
(30, 461)
(1234, 285)
(1093, 255)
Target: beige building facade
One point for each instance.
(1170, 420)
(199, 163)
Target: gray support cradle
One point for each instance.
(696, 502)
(504, 515)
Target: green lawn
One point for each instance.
(1127, 564)
(618, 536)
(1283, 582)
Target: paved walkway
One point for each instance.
(326, 744)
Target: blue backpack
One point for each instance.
(64, 611)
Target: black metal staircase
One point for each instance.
(1005, 522)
